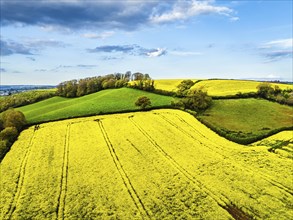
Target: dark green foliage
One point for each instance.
(24, 98)
(9, 134)
(11, 123)
(13, 118)
(183, 87)
(143, 102)
(74, 88)
(266, 91)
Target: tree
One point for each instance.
(13, 118)
(184, 86)
(143, 102)
(197, 100)
(265, 90)
(9, 134)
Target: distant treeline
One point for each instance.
(24, 98)
(81, 87)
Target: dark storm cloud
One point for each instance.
(77, 14)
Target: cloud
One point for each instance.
(3, 70)
(102, 35)
(133, 49)
(80, 66)
(283, 43)
(156, 52)
(31, 58)
(67, 15)
(28, 47)
(277, 50)
(9, 47)
(183, 10)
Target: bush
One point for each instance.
(184, 87)
(143, 102)
(13, 118)
(197, 100)
(9, 134)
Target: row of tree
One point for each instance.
(81, 87)
(267, 91)
(11, 124)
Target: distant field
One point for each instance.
(232, 87)
(247, 118)
(280, 143)
(162, 164)
(105, 101)
(168, 84)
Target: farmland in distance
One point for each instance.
(161, 164)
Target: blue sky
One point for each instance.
(48, 41)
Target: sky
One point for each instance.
(45, 42)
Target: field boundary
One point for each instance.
(125, 178)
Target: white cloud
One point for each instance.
(102, 35)
(183, 10)
(283, 43)
(156, 53)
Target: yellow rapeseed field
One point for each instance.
(232, 87)
(162, 164)
(168, 84)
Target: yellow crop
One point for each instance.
(162, 164)
(232, 87)
(168, 84)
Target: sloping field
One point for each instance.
(162, 164)
(168, 84)
(247, 118)
(280, 143)
(232, 87)
(105, 101)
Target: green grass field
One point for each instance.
(106, 101)
(160, 164)
(247, 118)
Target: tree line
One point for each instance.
(81, 87)
(11, 124)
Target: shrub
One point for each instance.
(197, 100)
(143, 102)
(13, 118)
(9, 134)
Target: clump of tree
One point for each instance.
(267, 91)
(143, 102)
(196, 100)
(77, 88)
(11, 123)
(24, 98)
(142, 81)
(184, 87)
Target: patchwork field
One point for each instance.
(162, 164)
(232, 87)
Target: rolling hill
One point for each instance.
(105, 101)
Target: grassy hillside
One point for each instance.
(106, 101)
(162, 164)
(247, 118)
(232, 87)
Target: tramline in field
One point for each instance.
(159, 164)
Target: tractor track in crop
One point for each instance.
(223, 202)
(64, 177)
(125, 178)
(239, 163)
(20, 179)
